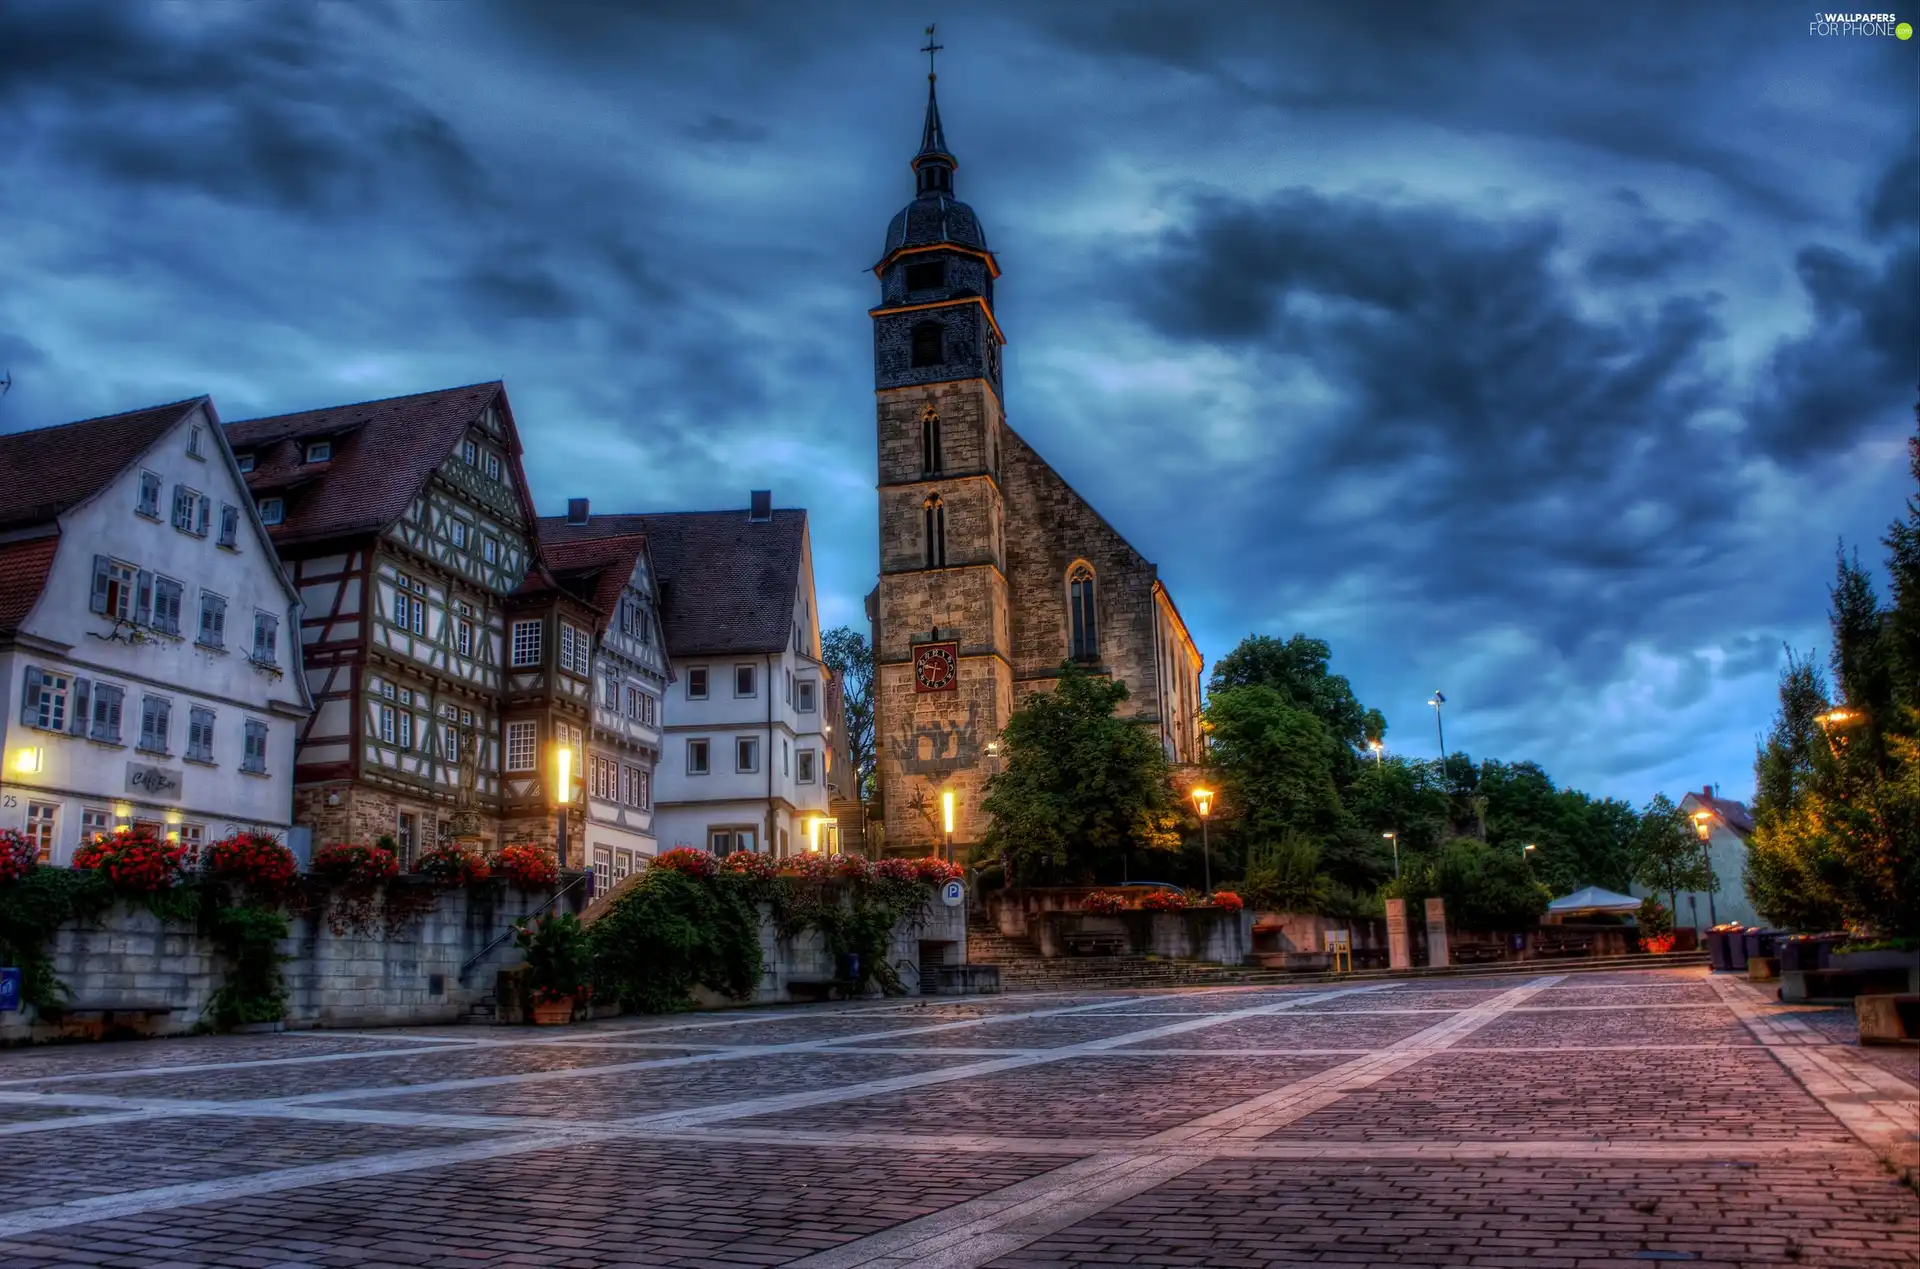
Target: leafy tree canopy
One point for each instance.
(1297, 670)
(1081, 789)
(849, 655)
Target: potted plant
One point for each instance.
(555, 947)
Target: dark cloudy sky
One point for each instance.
(1538, 353)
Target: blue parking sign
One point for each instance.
(9, 989)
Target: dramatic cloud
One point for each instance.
(1540, 353)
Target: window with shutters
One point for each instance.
(156, 717)
(229, 526)
(199, 735)
(108, 702)
(149, 503)
(190, 510)
(213, 621)
(116, 589)
(47, 700)
(255, 760)
(43, 828)
(166, 605)
(929, 344)
(266, 642)
(526, 643)
(522, 739)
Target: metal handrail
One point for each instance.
(508, 933)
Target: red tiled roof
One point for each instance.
(23, 574)
(383, 453)
(1731, 813)
(602, 566)
(45, 472)
(727, 585)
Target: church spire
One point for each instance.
(933, 165)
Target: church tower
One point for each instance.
(942, 638)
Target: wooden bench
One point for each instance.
(1095, 944)
(1564, 947)
(1475, 953)
(103, 1020)
(812, 989)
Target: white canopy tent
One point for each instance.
(1593, 900)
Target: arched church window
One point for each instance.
(1080, 613)
(936, 532)
(929, 344)
(930, 464)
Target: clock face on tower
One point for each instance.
(936, 667)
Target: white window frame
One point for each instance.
(319, 451)
(701, 748)
(753, 681)
(462, 531)
(42, 827)
(273, 511)
(526, 653)
(697, 674)
(193, 441)
(749, 747)
(244, 462)
(465, 637)
(804, 696)
(491, 464)
(523, 746)
(803, 767)
(490, 549)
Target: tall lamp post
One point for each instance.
(1203, 804)
(946, 813)
(1703, 825)
(1379, 754)
(562, 795)
(1837, 718)
(1395, 839)
(1439, 699)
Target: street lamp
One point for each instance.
(1703, 825)
(1395, 839)
(1528, 849)
(1203, 804)
(946, 811)
(1439, 699)
(1838, 719)
(1379, 750)
(562, 793)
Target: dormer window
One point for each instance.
(244, 462)
(273, 511)
(928, 276)
(471, 453)
(319, 451)
(493, 466)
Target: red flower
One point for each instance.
(1164, 901)
(852, 868)
(135, 861)
(526, 866)
(1229, 900)
(18, 856)
(1658, 944)
(895, 870)
(935, 871)
(698, 864)
(1105, 903)
(748, 863)
(452, 864)
(354, 865)
(257, 860)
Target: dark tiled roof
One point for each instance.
(48, 470)
(383, 453)
(727, 585)
(598, 569)
(23, 574)
(1731, 813)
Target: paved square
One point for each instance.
(1564, 1119)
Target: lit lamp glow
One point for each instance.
(27, 761)
(1395, 839)
(563, 795)
(1203, 807)
(946, 813)
(813, 833)
(1703, 825)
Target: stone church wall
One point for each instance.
(1049, 526)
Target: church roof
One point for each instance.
(727, 584)
(932, 219)
(383, 454)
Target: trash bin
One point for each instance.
(1759, 942)
(1717, 948)
(1737, 949)
(850, 968)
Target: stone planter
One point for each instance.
(553, 1013)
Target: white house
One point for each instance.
(629, 675)
(1728, 828)
(746, 752)
(147, 635)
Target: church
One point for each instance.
(994, 572)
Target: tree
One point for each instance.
(1667, 854)
(1081, 788)
(849, 655)
(1298, 671)
(1487, 887)
(1790, 861)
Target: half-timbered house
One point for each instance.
(630, 675)
(145, 636)
(548, 707)
(746, 760)
(407, 525)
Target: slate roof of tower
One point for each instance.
(48, 470)
(727, 585)
(935, 218)
(383, 453)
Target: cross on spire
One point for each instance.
(931, 49)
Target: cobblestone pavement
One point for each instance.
(1576, 1119)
